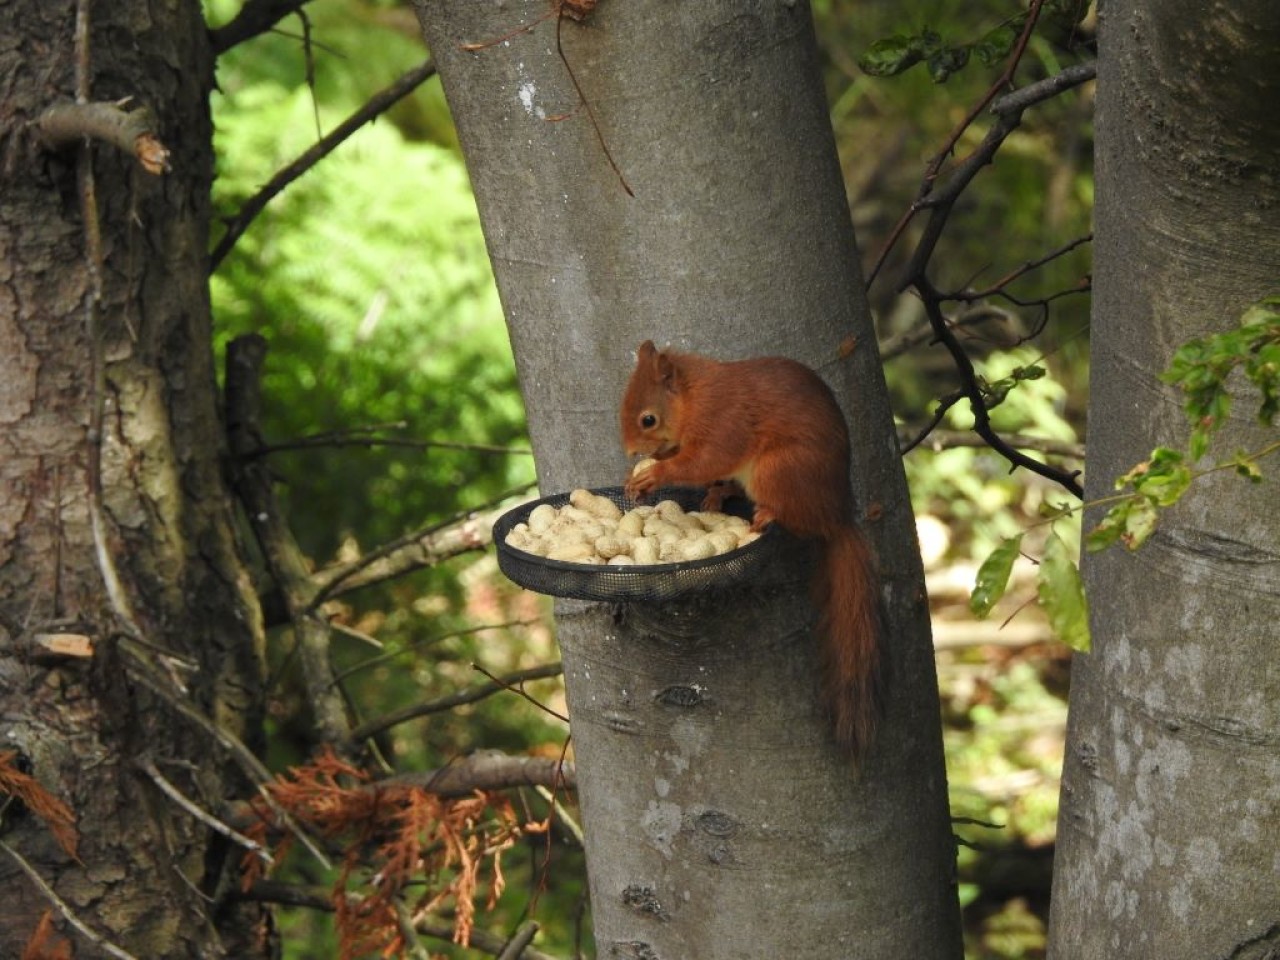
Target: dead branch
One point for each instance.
(148, 766)
(411, 647)
(487, 770)
(378, 104)
(428, 546)
(284, 558)
(131, 131)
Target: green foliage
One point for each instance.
(892, 55)
(1201, 368)
(1159, 482)
(972, 488)
(1062, 595)
(379, 309)
(996, 392)
(993, 577)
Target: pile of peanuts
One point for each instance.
(592, 529)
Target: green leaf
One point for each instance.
(994, 46)
(1166, 478)
(889, 56)
(1030, 372)
(947, 61)
(1248, 468)
(1062, 596)
(1109, 528)
(993, 577)
(1139, 523)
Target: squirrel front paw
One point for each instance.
(642, 480)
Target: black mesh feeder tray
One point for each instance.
(645, 582)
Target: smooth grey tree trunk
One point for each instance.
(1169, 836)
(720, 820)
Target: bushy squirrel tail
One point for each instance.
(847, 594)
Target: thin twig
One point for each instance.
(378, 104)
(591, 114)
(981, 415)
(951, 439)
(64, 908)
(419, 644)
(510, 685)
(998, 287)
(945, 404)
(148, 766)
(333, 441)
(475, 694)
(94, 258)
(935, 164)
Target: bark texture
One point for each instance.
(720, 819)
(146, 867)
(1169, 837)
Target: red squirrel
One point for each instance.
(771, 427)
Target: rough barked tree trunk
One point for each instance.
(1169, 836)
(150, 877)
(720, 819)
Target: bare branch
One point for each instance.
(496, 685)
(935, 165)
(339, 438)
(981, 415)
(950, 439)
(378, 104)
(255, 17)
(908, 340)
(148, 766)
(517, 687)
(487, 770)
(519, 940)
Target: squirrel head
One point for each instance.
(648, 424)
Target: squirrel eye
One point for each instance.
(648, 421)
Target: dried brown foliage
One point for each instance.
(402, 848)
(45, 944)
(56, 814)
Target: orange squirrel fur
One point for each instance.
(771, 427)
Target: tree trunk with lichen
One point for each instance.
(108, 420)
(720, 819)
(1169, 834)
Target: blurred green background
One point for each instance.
(370, 281)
